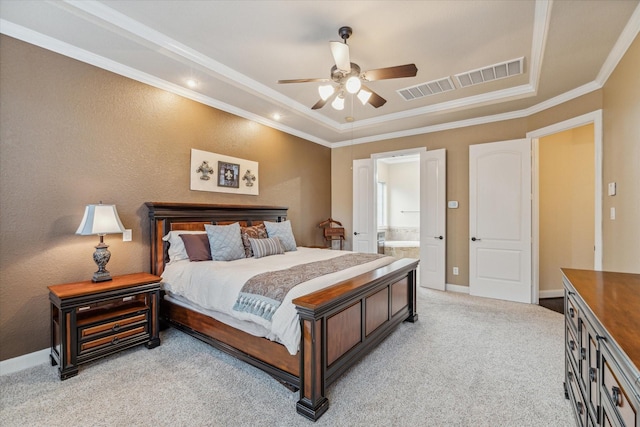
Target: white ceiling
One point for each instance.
(238, 50)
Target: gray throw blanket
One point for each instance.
(263, 293)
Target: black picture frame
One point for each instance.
(228, 175)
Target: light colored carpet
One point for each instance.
(467, 362)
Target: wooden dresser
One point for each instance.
(602, 346)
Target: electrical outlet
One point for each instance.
(126, 235)
(455, 271)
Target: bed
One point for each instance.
(338, 324)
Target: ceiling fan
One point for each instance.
(348, 77)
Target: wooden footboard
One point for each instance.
(339, 324)
(342, 323)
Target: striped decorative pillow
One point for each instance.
(266, 247)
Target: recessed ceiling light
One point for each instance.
(192, 83)
(276, 116)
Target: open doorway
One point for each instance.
(413, 204)
(398, 205)
(582, 188)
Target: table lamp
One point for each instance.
(100, 219)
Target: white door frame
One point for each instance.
(594, 118)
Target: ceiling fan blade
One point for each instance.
(375, 100)
(408, 70)
(340, 52)
(303, 81)
(321, 103)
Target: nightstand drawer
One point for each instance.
(113, 326)
(113, 339)
(103, 310)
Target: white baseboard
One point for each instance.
(554, 293)
(457, 288)
(25, 361)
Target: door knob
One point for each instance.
(438, 237)
(355, 233)
(474, 239)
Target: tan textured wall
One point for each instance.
(566, 194)
(621, 119)
(72, 134)
(456, 142)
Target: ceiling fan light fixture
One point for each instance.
(325, 91)
(338, 103)
(353, 84)
(364, 96)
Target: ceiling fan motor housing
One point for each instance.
(341, 77)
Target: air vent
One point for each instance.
(492, 72)
(425, 89)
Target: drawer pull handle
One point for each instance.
(580, 408)
(616, 396)
(572, 312)
(572, 345)
(570, 375)
(583, 353)
(116, 327)
(115, 340)
(592, 375)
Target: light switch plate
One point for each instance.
(452, 204)
(612, 188)
(126, 235)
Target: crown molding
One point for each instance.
(109, 16)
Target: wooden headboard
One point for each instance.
(165, 217)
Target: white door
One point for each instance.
(500, 220)
(364, 226)
(433, 177)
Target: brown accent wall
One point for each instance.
(73, 134)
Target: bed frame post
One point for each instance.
(313, 402)
(413, 304)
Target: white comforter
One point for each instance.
(214, 285)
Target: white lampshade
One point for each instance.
(364, 96)
(325, 91)
(353, 84)
(100, 219)
(338, 103)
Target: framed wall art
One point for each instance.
(228, 175)
(223, 174)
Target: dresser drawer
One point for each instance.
(577, 401)
(113, 340)
(618, 393)
(573, 348)
(571, 311)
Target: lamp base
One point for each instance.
(101, 257)
(103, 276)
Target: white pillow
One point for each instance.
(177, 251)
(225, 242)
(266, 247)
(282, 230)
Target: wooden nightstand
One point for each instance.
(92, 320)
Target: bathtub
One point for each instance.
(402, 248)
